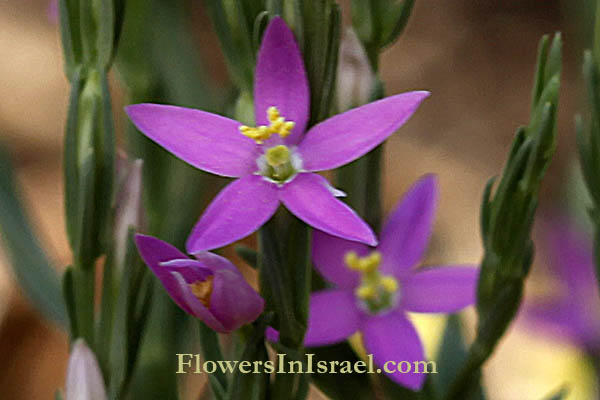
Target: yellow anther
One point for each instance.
(287, 129)
(273, 114)
(366, 292)
(202, 290)
(389, 284)
(351, 260)
(277, 125)
(278, 156)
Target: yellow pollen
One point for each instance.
(389, 284)
(366, 264)
(277, 125)
(278, 156)
(202, 290)
(366, 292)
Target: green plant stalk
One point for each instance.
(507, 218)
(588, 135)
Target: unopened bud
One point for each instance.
(84, 379)
(355, 78)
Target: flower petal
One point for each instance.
(207, 141)
(572, 259)
(155, 254)
(308, 199)
(280, 79)
(347, 136)
(328, 254)
(195, 307)
(240, 209)
(233, 301)
(406, 232)
(332, 317)
(442, 289)
(84, 379)
(392, 337)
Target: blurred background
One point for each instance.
(476, 57)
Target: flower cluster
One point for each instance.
(275, 162)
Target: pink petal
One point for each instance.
(328, 254)
(308, 199)
(347, 136)
(155, 254)
(195, 307)
(439, 290)
(332, 317)
(233, 301)
(572, 259)
(237, 211)
(406, 232)
(207, 141)
(391, 337)
(280, 79)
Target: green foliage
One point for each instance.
(379, 23)
(35, 274)
(507, 216)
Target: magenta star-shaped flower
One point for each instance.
(374, 288)
(276, 160)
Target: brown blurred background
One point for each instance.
(476, 57)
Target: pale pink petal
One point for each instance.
(332, 317)
(407, 230)
(312, 202)
(328, 254)
(444, 289)
(280, 79)
(237, 211)
(392, 338)
(347, 136)
(207, 141)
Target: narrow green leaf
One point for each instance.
(211, 351)
(453, 352)
(33, 271)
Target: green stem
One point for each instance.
(211, 351)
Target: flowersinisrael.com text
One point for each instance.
(192, 363)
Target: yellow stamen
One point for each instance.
(202, 290)
(389, 284)
(366, 292)
(277, 125)
(366, 264)
(377, 291)
(351, 260)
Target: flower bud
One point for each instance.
(355, 78)
(129, 210)
(84, 379)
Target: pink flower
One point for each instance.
(275, 161)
